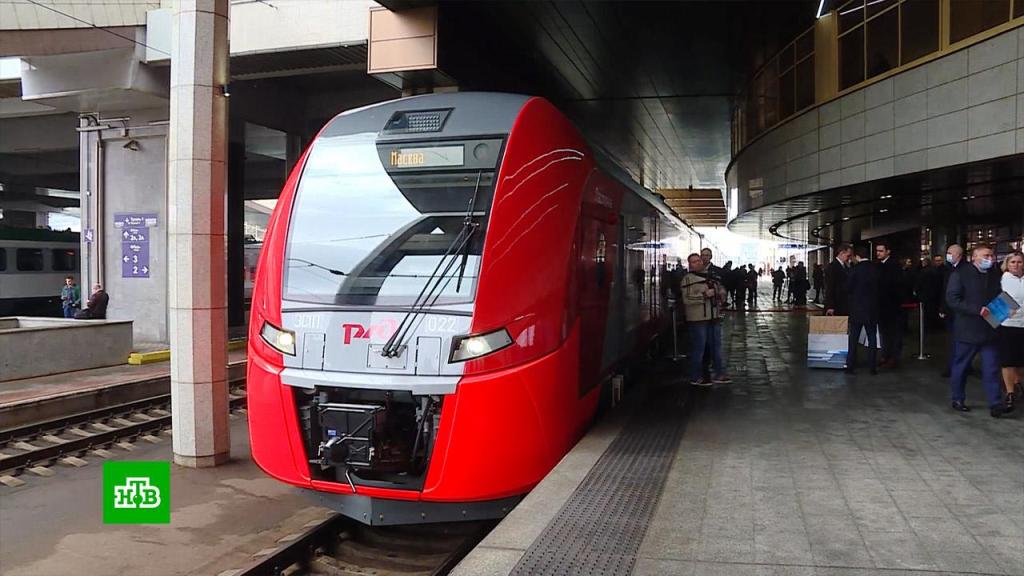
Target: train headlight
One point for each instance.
(469, 347)
(279, 339)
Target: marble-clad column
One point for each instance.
(197, 172)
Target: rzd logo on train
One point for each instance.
(380, 331)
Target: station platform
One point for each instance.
(220, 519)
(787, 470)
(28, 390)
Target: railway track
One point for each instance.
(36, 446)
(340, 546)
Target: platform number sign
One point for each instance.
(134, 230)
(136, 492)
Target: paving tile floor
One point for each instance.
(815, 472)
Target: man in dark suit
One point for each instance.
(954, 258)
(890, 315)
(836, 296)
(971, 287)
(862, 289)
(929, 290)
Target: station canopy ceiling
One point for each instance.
(652, 83)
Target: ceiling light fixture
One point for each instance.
(845, 218)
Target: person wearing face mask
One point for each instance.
(954, 256)
(971, 287)
(1011, 332)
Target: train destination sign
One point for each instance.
(427, 157)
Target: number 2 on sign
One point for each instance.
(135, 269)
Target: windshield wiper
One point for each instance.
(315, 265)
(393, 347)
(472, 226)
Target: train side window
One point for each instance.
(3, 259)
(29, 259)
(65, 260)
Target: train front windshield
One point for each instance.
(364, 234)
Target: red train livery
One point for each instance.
(445, 285)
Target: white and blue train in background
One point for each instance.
(33, 265)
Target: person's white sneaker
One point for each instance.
(722, 379)
(702, 383)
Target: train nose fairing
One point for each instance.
(380, 274)
(370, 403)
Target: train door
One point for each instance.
(595, 275)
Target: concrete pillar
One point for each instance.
(197, 172)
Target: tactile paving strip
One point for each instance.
(600, 529)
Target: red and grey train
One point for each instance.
(445, 285)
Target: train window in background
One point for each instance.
(65, 260)
(970, 17)
(3, 259)
(29, 259)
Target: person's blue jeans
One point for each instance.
(963, 354)
(705, 335)
(69, 312)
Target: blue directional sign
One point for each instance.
(134, 231)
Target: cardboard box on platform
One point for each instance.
(827, 342)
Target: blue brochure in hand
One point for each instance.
(1001, 308)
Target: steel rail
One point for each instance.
(463, 550)
(301, 551)
(64, 422)
(96, 438)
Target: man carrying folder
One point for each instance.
(970, 289)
